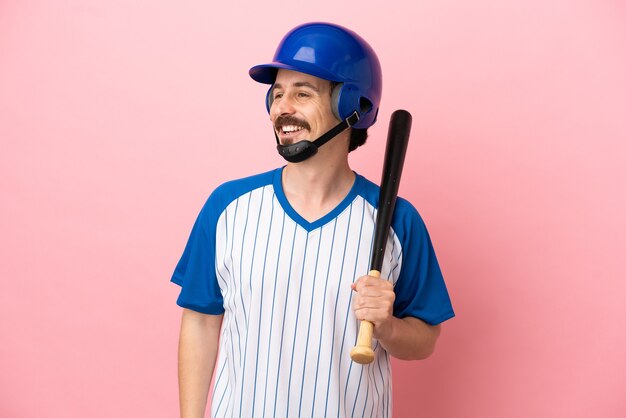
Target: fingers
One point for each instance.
(373, 300)
(371, 283)
(375, 316)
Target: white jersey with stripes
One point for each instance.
(283, 284)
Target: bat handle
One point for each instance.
(362, 352)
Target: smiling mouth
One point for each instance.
(288, 126)
(288, 134)
(291, 129)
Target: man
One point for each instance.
(272, 275)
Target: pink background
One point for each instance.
(118, 118)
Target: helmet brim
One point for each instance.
(266, 73)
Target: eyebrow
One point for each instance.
(300, 84)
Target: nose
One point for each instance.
(283, 106)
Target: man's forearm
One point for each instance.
(197, 351)
(410, 338)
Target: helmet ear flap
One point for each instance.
(347, 98)
(269, 98)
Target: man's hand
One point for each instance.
(404, 338)
(373, 302)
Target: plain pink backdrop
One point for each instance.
(118, 118)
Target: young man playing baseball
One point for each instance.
(272, 275)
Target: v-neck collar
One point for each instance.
(295, 216)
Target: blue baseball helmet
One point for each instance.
(333, 53)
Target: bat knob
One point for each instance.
(362, 354)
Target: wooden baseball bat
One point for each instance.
(397, 141)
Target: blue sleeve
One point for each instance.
(420, 289)
(195, 272)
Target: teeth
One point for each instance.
(292, 128)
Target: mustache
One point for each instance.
(290, 120)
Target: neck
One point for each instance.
(316, 186)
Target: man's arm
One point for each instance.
(404, 338)
(197, 351)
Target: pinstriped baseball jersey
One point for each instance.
(283, 284)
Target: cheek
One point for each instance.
(325, 116)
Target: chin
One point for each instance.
(290, 141)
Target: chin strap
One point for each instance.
(304, 149)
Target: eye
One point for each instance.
(303, 94)
(277, 95)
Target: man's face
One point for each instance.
(301, 108)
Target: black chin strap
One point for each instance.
(301, 150)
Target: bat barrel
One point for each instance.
(397, 142)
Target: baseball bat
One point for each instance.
(397, 141)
